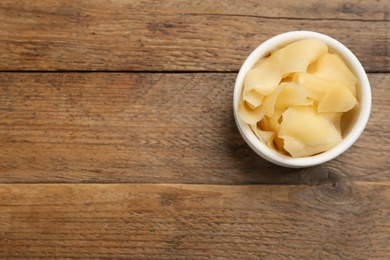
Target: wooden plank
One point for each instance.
(129, 221)
(122, 36)
(311, 9)
(147, 127)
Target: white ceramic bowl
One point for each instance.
(357, 123)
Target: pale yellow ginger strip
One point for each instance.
(265, 136)
(305, 124)
(331, 67)
(273, 122)
(264, 78)
(270, 138)
(297, 148)
(295, 57)
(249, 115)
(316, 87)
(253, 98)
(335, 118)
(292, 94)
(338, 99)
(269, 101)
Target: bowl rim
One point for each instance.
(364, 100)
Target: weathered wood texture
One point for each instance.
(339, 221)
(309, 9)
(179, 35)
(147, 127)
(63, 132)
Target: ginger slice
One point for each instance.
(331, 67)
(338, 99)
(305, 124)
(295, 57)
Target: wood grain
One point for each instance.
(151, 127)
(180, 36)
(117, 138)
(129, 221)
(311, 9)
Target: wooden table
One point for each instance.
(117, 137)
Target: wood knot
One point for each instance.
(335, 197)
(322, 176)
(339, 195)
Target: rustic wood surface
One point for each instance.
(117, 137)
(148, 127)
(92, 35)
(347, 220)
